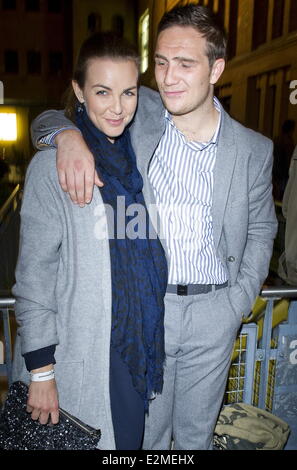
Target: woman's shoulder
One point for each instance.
(43, 165)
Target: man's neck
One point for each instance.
(199, 125)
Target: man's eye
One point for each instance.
(129, 93)
(160, 63)
(185, 65)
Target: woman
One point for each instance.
(90, 307)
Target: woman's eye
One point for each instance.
(101, 92)
(129, 93)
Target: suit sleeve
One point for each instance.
(262, 228)
(38, 260)
(47, 123)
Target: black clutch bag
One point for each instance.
(18, 431)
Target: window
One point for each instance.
(32, 5)
(221, 12)
(293, 16)
(34, 62)
(11, 61)
(94, 22)
(144, 40)
(278, 18)
(118, 25)
(260, 22)
(54, 6)
(226, 103)
(9, 4)
(55, 63)
(269, 110)
(253, 104)
(232, 33)
(210, 4)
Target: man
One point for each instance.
(287, 268)
(211, 180)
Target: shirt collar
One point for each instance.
(200, 145)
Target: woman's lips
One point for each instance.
(115, 122)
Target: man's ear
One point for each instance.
(217, 70)
(78, 92)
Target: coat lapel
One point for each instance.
(223, 172)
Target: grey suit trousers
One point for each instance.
(200, 331)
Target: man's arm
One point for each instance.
(75, 162)
(262, 228)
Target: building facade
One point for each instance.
(35, 62)
(39, 41)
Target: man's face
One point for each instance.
(183, 74)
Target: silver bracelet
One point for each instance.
(42, 376)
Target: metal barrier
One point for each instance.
(263, 372)
(9, 238)
(6, 306)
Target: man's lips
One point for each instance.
(172, 94)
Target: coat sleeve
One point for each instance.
(262, 229)
(39, 257)
(47, 123)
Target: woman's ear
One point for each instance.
(78, 92)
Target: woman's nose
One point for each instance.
(116, 106)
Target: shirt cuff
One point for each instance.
(49, 139)
(40, 357)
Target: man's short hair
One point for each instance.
(205, 22)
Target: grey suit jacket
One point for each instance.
(244, 221)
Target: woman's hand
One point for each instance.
(43, 399)
(76, 167)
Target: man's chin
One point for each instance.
(174, 108)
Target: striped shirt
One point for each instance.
(49, 139)
(181, 174)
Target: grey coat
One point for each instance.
(63, 294)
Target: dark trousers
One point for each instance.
(127, 407)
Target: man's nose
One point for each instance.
(171, 75)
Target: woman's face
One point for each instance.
(109, 94)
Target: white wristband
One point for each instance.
(42, 376)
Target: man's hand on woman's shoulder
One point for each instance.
(76, 167)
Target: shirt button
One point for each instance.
(231, 259)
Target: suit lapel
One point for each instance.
(223, 172)
(146, 133)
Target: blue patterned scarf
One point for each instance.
(138, 266)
